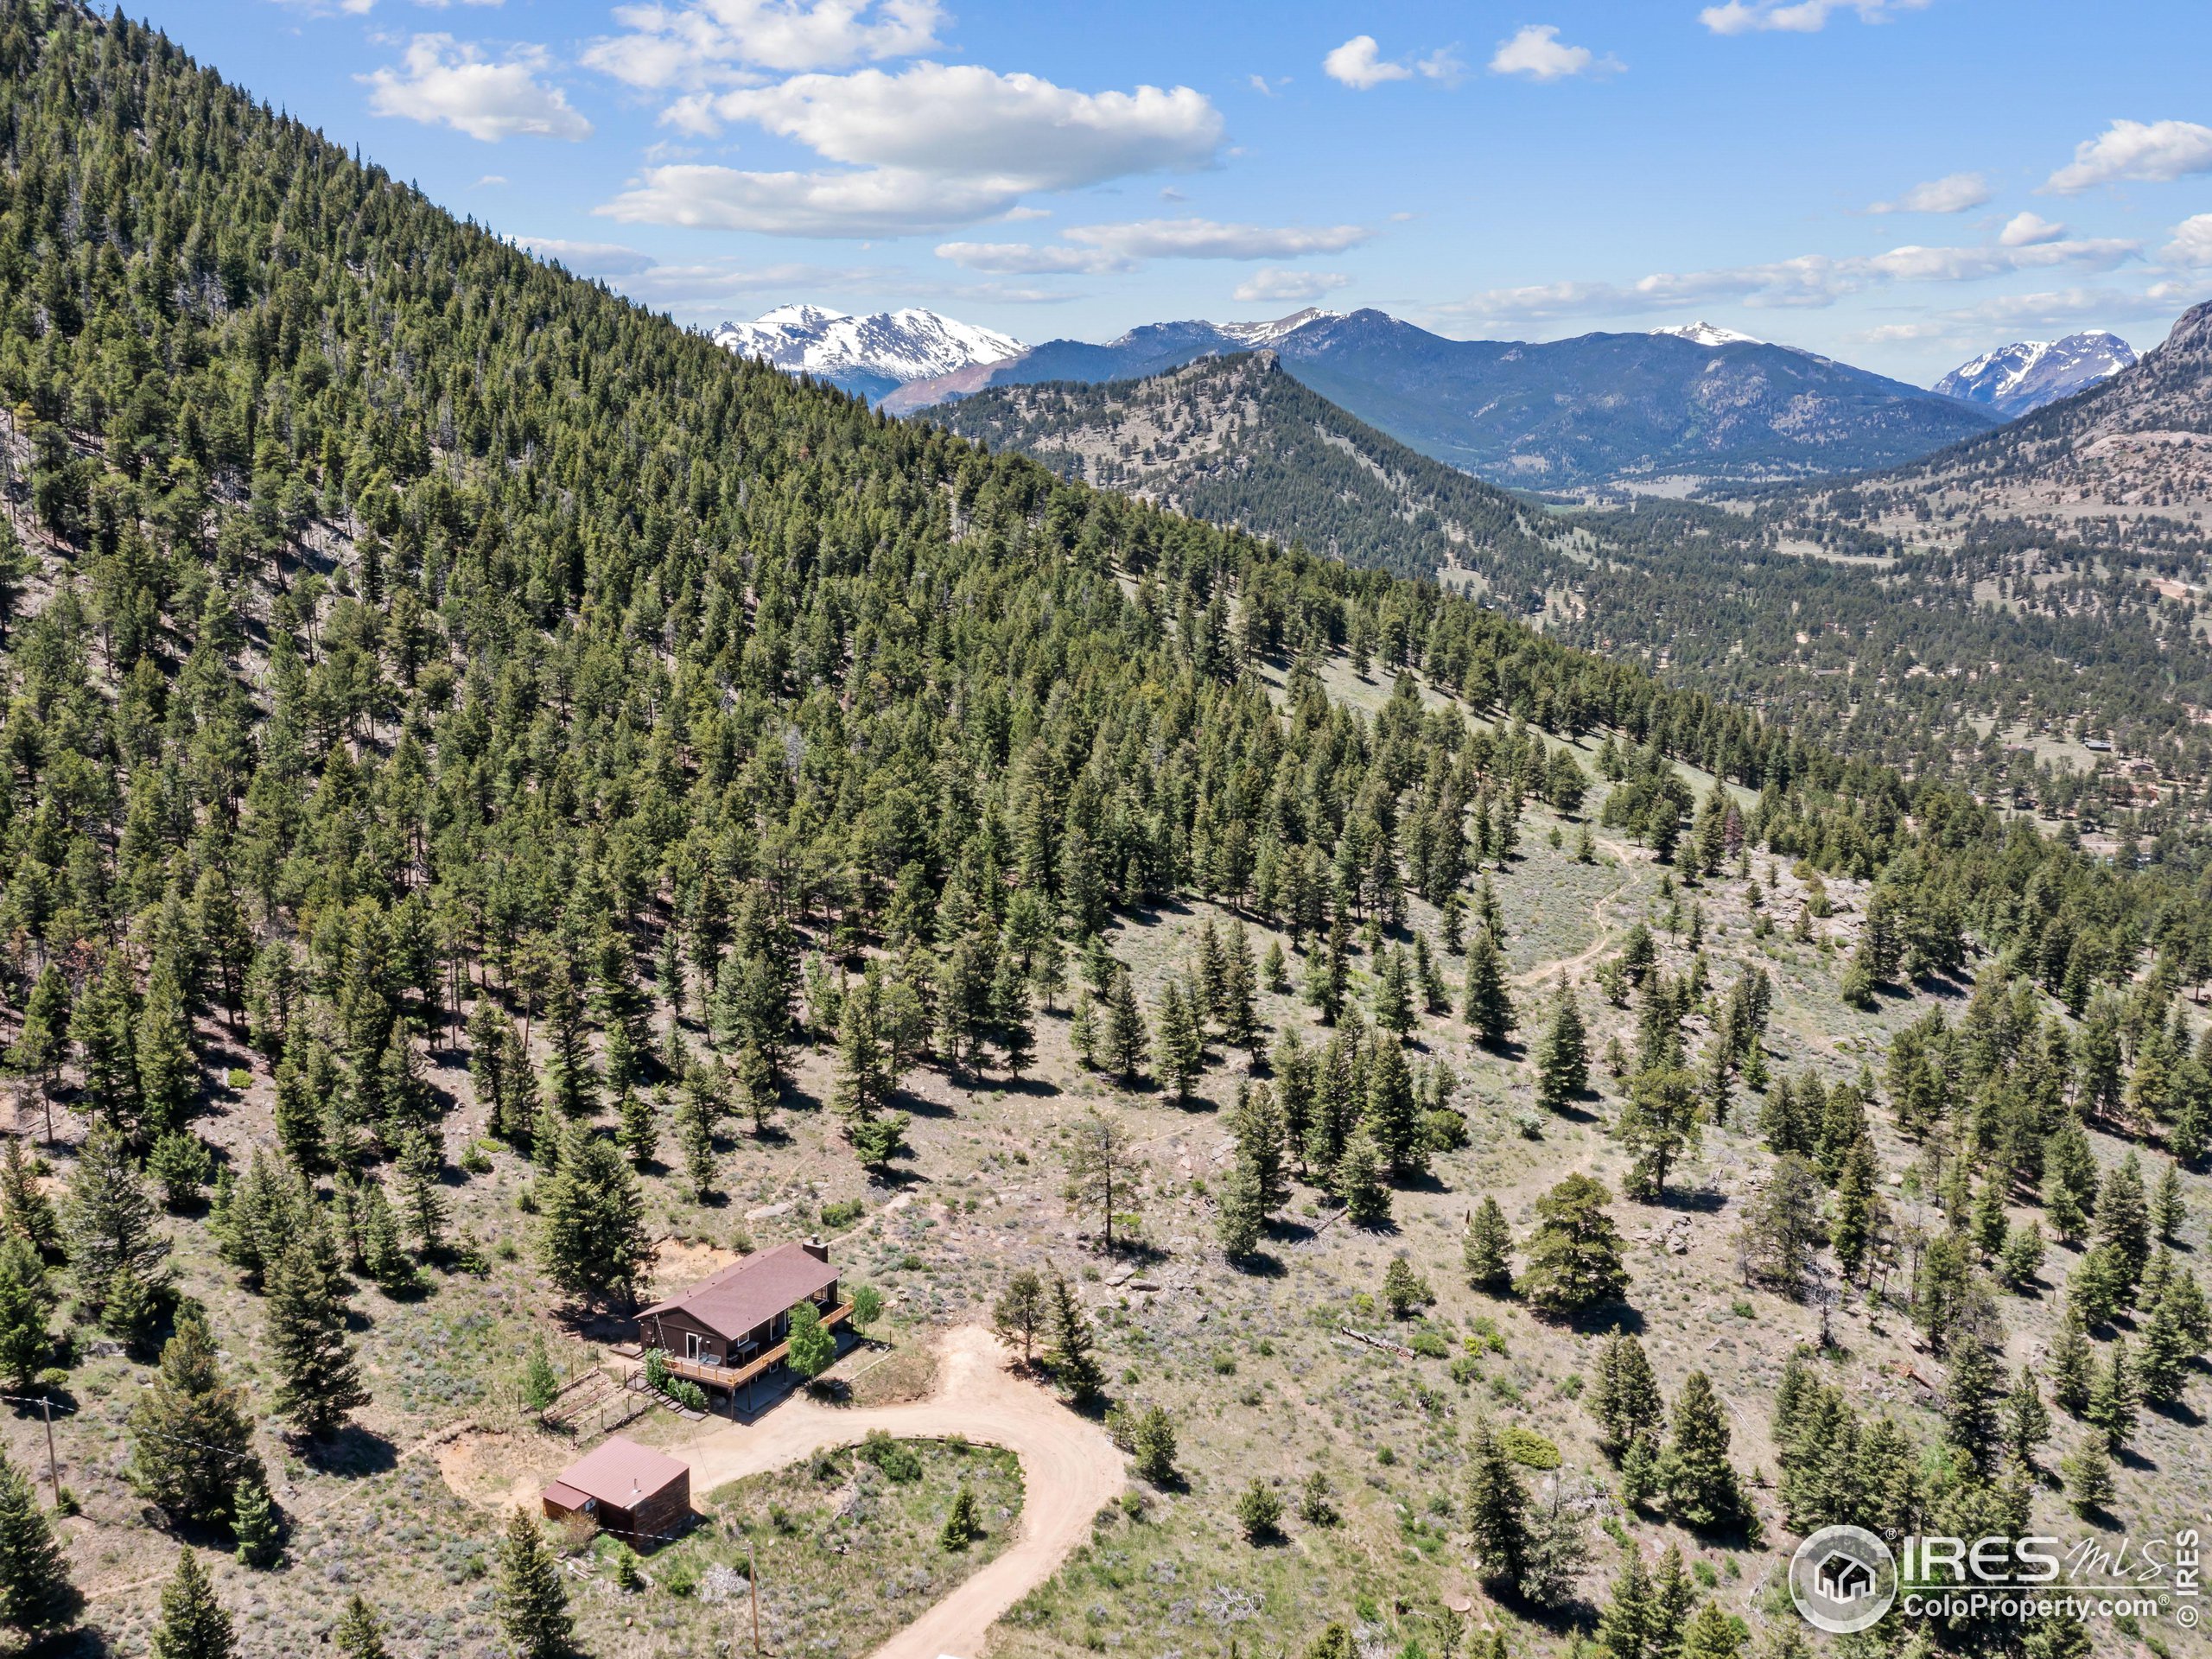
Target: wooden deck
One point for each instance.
(736, 1376)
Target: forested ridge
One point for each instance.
(413, 654)
(1982, 663)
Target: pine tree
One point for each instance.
(1394, 994)
(1488, 1006)
(533, 1608)
(1259, 1511)
(1487, 1248)
(191, 1432)
(1241, 1211)
(1624, 1628)
(1393, 1115)
(2026, 1423)
(594, 1245)
(42, 1042)
(1125, 1037)
(194, 1624)
(1658, 1125)
(1020, 1311)
(169, 1071)
(1574, 1257)
(1857, 1211)
(319, 1381)
(2113, 1397)
(421, 1166)
(27, 1305)
(1155, 1446)
(1711, 1634)
(2124, 1223)
(2069, 1364)
(1102, 1170)
(1970, 1404)
(1694, 1471)
(112, 1241)
(1562, 1058)
(25, 1211)
(2087, 1471)
(359, 1634)
(1495, 1508)
(1074, 1366)
(639, 1134)
(254, 1524)
(1359, 1182)
(104, 1026)
(963, 1523)
(1626, 1401)
(1261, 1135)
(35, 1593)
(1179, 1049)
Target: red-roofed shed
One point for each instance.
(631, 1491)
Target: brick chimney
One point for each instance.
(816, 1249)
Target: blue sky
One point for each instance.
(1899, 183)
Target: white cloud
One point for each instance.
(2029, 230)
(490, 181)
(326, 8)
(2192, 243)
(1954, 192)
(445, 83)
(934, 147)
(589, 258)
(1796, 16)
(1359, 64)
(441, 5)
(697, 43)
(1810, 280)
(2154, 151)
(1020, 258)
(1538, 53)
(1296, 287)
(1101, 248)
(1205, 239)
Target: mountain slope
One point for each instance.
(469, 740)
(1860, 640)
(871, 356)
(2017, 379)
(1557, 416)
(1236, 440)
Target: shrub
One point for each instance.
(1430, 1345)
(843, 1214)
(1527, 1447)
(679, 1577)
(476, 1160)
(1444, 1130)
(898, 1461)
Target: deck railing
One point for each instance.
(734, 1377)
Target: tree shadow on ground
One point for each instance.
(351, 1453)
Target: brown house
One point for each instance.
(734, 1316)
(631, 1491)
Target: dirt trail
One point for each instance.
(1069, 1470)
(1583, 958)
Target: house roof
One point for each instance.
(619, 1473)
(751, 1292)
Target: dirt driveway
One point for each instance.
(1068, 1469)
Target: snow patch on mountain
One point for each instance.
(2028, 374)
(1257, 334)
(892, 345)
(1706, 333)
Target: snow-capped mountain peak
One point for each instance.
(1706, 333)
(1266, 333)
(869, 354)
(2025, 375)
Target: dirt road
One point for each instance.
(1068, 1469)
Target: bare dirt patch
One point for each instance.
(499, 1471)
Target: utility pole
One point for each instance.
(52, 1463)
(753, 1575)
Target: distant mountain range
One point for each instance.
(2017, 379)
(1694, 400)
(872, 356)
(1699, 401)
